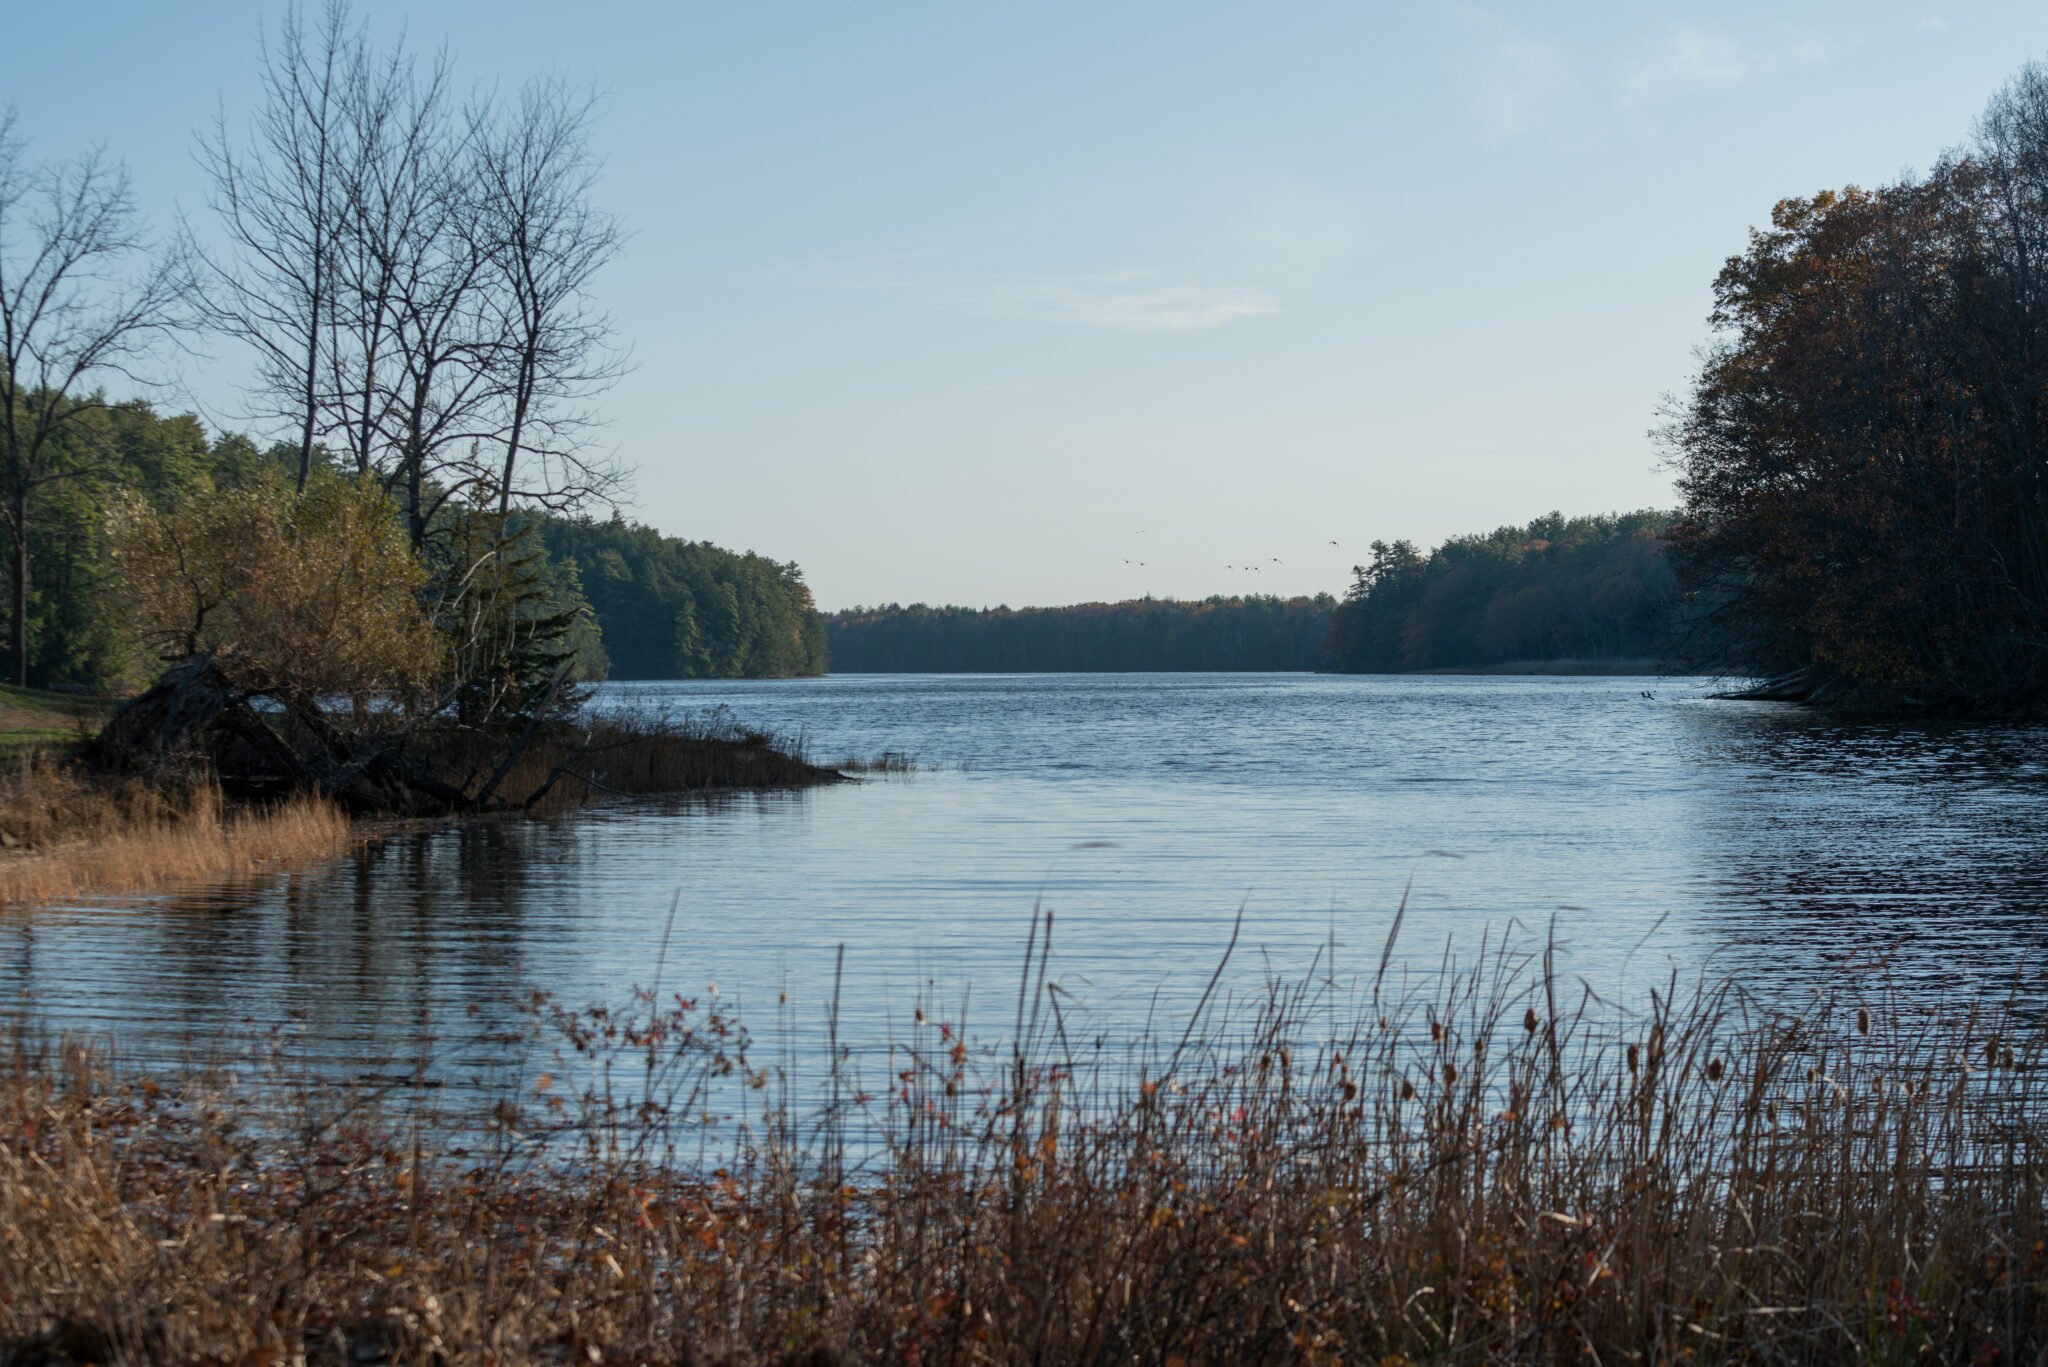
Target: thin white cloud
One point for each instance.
(1934, 23)
(1123, 301)
(1690, 58)
(1512, 81)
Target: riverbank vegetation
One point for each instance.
(1498, 1170)
(1247, 633)
(1578, 588)
(1860, 456)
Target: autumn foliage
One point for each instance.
(293, 595)
(1862, 454)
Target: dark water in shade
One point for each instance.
(1786, 849)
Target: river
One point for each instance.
(1642, 827)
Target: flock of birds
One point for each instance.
(1248, 569)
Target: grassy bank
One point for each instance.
(1484, 1174)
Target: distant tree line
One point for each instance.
(1249, 633)
(1585, 588)
(1864, 454)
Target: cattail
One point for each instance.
(1991, 1052)
(1350, 1090)
(1450, 1073)
(1632, 1057)
(1862, 1020)
(1407, 1090)
(1713, 1070)
(1529, 1020)
(1436, 1032)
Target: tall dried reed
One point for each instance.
(75, 834)
(1479, 1172)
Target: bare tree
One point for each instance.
(430, 385)
(82, 295)
(415, 274)
(548, 243)
(278, 200)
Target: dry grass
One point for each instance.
(75, 834)
(1480, 1174)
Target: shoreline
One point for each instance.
(69, 831)
(1622, 667)
(1631, 667)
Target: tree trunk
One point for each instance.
(17, 641)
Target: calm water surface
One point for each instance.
(1652, 828)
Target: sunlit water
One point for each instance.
(1647, 828)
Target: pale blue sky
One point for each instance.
(952, 302)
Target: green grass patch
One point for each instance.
(36, 718)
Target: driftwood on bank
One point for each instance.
(1803, 685)
(256, 745)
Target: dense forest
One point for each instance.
(674, 609)
(645, 605)
(1252, 633)
(1586, 588)
(1861, 456)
